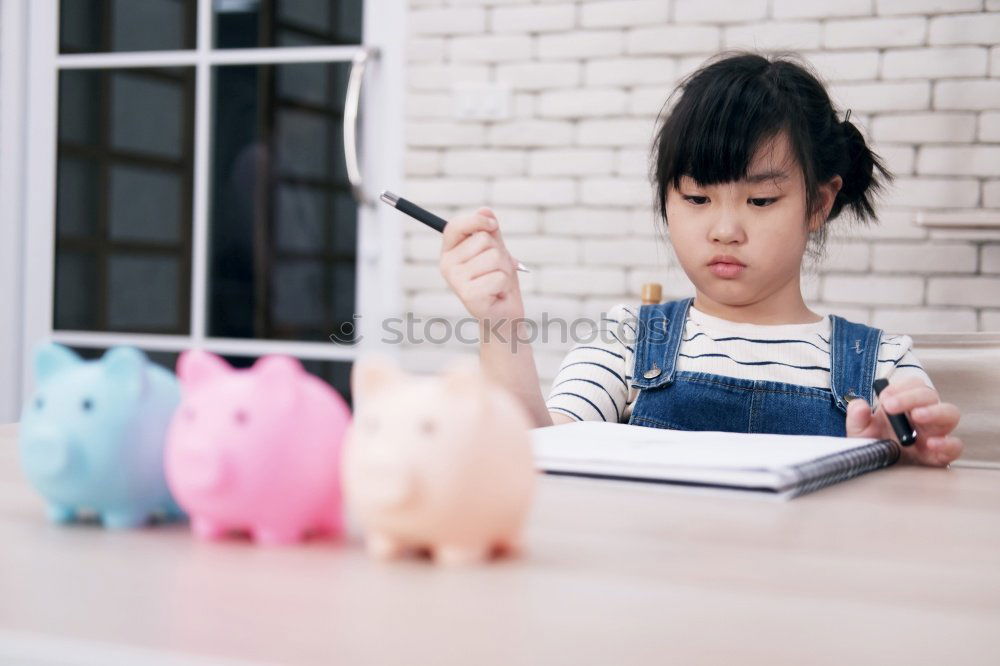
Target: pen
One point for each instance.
(900, 424)
(427, 217)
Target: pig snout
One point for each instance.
(385, 484)
(49, 452)
(201, 469)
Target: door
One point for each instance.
(203, 174)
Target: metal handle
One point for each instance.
(351, 104)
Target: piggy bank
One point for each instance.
(256, 450)
(91, 438)
(437, 464)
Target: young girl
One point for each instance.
(751, 165)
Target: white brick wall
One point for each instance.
(623, 13)
(937, 63)
(535, 19)
(566, 173)
(879, 33)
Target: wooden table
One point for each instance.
(898, 567)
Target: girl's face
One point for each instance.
(741, 243)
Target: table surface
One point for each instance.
(898, 566)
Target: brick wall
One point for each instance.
(567, 172)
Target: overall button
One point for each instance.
(652, 372)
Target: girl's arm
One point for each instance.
(511, 363)
(479, 269)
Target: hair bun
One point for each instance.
(859, 163)
(858, 173)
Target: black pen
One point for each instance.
(421, 215)
(900, 424)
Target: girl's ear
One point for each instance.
(827, 195)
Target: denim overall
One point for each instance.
(669, 398)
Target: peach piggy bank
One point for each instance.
(439, 464)
(256, 450)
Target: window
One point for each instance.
(188, 181)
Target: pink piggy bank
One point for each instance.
(442, 464)
(256, 450)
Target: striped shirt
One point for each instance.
(594, 379)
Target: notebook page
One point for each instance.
(623, 445)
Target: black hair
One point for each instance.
(733, 105)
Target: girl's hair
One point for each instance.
(732, 106)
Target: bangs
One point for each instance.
(727, 113)
(715, 139)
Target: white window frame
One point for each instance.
(379, 251)
(13, 24)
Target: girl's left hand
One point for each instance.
(933, 419)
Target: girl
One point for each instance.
(751, 165)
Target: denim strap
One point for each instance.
(658, 340)
(853, 357)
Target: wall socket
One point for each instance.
(473, 100)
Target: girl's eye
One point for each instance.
(696, 200)
(762, 202)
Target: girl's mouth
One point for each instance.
(725, 267)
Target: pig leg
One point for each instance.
(173, 511)
(61, 514)
(384, 547)
(509, 546)
(460, 555)
(281, 536)
(124, 518)
(330, 528)
(328, 523)
(207, 529)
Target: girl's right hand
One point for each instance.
(479, 269)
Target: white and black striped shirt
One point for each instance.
(594, 380)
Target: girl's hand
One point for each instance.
(479, 269)
(933, 419)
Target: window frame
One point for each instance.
(379, 240)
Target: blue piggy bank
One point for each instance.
(92, 436)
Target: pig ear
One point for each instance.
(126, 367)
(278, 368)
(372, 373)
(51, 358)
(196, 365)
(277, 379)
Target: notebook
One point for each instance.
(783, 465)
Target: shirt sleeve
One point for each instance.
(593, 380)
(897, 362)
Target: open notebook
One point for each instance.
(786, 465)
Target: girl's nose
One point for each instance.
(727, 228)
